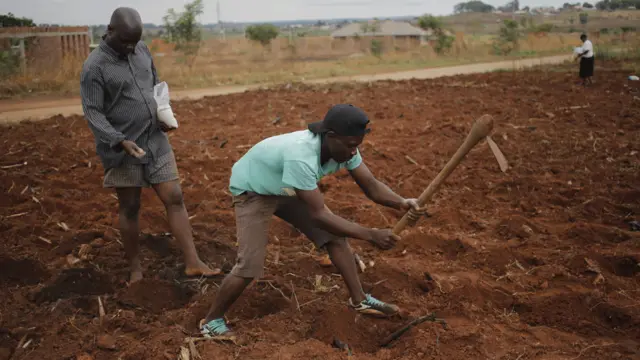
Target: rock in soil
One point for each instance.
(106, 342)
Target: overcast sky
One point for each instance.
(93, 12)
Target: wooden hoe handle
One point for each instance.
(481, 129)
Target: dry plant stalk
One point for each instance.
(13, 166)
(84, 251)
(16, 215)
(279, 290)
(101, 310)
(193, 350)
(184, 354)
(45, 240)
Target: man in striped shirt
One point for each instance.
(116, 87)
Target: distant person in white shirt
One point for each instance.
(586, 61)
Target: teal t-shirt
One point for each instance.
(282, 163)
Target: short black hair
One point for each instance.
(583, 36)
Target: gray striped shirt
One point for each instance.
(118, 103)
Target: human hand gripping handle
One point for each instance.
(415, 211)
(386, 239)
(166, 128)
(132, 149)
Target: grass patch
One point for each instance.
(239, 62)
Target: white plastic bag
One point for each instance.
(578, 50)
(165, 114)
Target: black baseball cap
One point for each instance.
(344, 120)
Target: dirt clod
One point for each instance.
(156, 295)
(21, 271)
(106, 342)
(75, 282)
(5, 353)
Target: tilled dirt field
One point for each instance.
(536, 263)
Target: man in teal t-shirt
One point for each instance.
(278, 165)
(279, 176)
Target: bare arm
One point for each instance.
(329, 221)
(92, 94)
(375, 190)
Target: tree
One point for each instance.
(376, 47)
(617, 4)
(511, 6)
(430, 22)
(587, 5)
(569, 6)
(262, 33)
(372, 27)
(584, 18)
(473, 6)
(444, 42)
(508, 38)
(10, 20)
(183, 29)
(10, 61)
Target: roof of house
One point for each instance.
(384, 28)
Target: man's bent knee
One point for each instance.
(130, 210)
(173, 197)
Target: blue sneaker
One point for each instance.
(375, 307)
(217, 330)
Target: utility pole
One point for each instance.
(220, 25)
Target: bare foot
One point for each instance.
(201, 269)
(136, 275)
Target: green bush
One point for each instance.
(9, 63)
(444, 42)
(376, 47)
(262, 33)
(544, 28)
(508, 38)
(183, 30)
(584, 18)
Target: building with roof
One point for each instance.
(385, 28)
(396, 35)
(45, 48)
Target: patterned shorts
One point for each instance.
(163, 169)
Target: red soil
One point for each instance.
(505, 259)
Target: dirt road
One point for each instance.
(36, 109)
